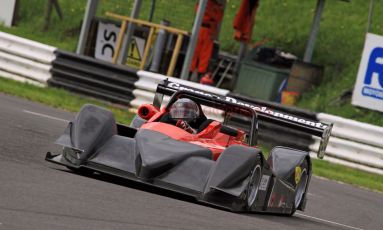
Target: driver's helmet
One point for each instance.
(184, 109)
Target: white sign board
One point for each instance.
(106, 40)
(368, 91)
(107, 34)
(7, 9)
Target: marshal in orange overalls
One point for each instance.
(208, 32)
(244, 20)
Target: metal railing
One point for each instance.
(153, 28)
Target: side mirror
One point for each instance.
(147, 111)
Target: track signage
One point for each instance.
(368, 91)
(7, 12)
(107, 33)
(106, 39)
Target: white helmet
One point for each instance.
(184, 109)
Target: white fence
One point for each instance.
(25, 60)
(359, 144)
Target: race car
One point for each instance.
(211, 160)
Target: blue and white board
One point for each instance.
(368, 91)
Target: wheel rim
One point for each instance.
(254, 185)
(301, 188)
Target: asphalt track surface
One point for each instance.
(35, 194)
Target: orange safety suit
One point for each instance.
(244, 20)
(206, 36)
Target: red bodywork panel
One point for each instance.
(210, 137)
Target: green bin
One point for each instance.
(261, 80)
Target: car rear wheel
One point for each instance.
(253, 186)
(301, 186)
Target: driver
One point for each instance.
(185, 112)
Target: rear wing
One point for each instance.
(315, 128)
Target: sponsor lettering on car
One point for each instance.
(260, 109)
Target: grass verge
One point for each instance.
(348, 175)
(59, 98)
(62, 99)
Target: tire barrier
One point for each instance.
(92, 77)
(25, 60)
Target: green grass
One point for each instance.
(348, 175)
(64, 100)
(62, 34)
(59, 98)
(338, 48)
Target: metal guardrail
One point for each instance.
(25, 60)
(355, 142)
(355, 131)
(93, 77)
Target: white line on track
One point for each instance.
(314, 195)
(327, 221)
(45, 116)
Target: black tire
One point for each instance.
(300, 188)
(254, 183)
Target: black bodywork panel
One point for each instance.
(94, 141)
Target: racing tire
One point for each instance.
(300, 188)
(254, 183)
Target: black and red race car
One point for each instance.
(220, 164)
